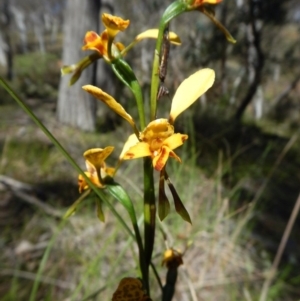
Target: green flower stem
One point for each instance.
(140, 103)
(149, 210)
(109, 46)
(155, 79)
(99, 193)
(174, 9)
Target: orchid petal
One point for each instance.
(83, 185)
(131, 141)
(179, 207)
(212, 17)
(175, 140)
(202, 2)
(153, 34)
(114, 24)
(108, 171)
(92, 41)
(160, 160)
(90, 167)
(190, 90)
(110, 102)
(142, 149)
(158, 128)
(96, 156)
(173, 155)
(163, 202)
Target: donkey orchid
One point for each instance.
(96, 167)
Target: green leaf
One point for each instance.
(124, 72)
(127, 76)
(121, 195)
(173, 10)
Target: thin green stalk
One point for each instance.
(155, 79)
(140, 103)
(149, 212)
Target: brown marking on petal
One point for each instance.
(104, 35)
(129, 155)
(81, 183)
(184, 138)
(101, 49)
(90, 36)
(160, 164)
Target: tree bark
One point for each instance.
(256, 56)
(8, 49)
(76, 107)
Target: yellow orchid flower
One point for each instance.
(92, 41)
(158, 139)
(103, 43)
(96, 167)
(114, 24)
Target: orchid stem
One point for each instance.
(155, 79)
(149, 212)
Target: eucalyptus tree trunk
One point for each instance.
(76, 107)
(6, 23)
